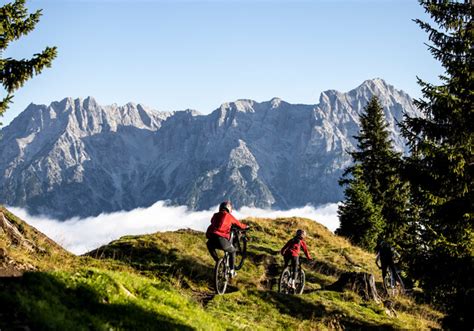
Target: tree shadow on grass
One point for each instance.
(316, 278)
(39, 301)
(300, 307)
(152, 259)
(292, 305)
(266, 250)
(325, 268)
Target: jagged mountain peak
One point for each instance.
(376, 82)
(228, 110)
(192, 112)
(276, 102)
(77, 158)
(240, 105)
(81, 102)
(368, 88)
(328, 95)
(381, 89)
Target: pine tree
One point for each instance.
(14, 23)
(360, 219)
(374, 149)
(379, 164)
(442, 165)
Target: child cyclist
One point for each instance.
(291, 252)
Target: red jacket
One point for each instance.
(292, 247)
(221, 223)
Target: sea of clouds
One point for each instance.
(82, 235)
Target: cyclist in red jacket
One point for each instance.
(291, 252)
(218, 233)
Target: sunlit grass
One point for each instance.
(164, 281)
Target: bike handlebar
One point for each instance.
(235, 228)
(306, 260)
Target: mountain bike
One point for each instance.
(239, 239)
(393, 284)
(284, 283)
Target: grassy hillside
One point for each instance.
(23, 248)
(163, 281)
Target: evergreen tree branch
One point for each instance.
(16, 22)
(15, 73)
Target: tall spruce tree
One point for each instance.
(441, 166)
(381, 171)
(14, 23)
(374, 149)
(360, 219)
(379, 166)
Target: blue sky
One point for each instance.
(173, 55)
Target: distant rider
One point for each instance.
(386, 255)
(291, 252)
(218, 233)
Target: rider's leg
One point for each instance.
(211, 247)
(394, 278)
(227, 247)
(287, 260)
(294, 266)
(384, 270)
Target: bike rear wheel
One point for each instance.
(241, 253)
(283, 284)
(220, 275)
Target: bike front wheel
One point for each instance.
(241, 253)
(283, 284)
(300, 282)
(220, 276)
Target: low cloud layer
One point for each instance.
(82, 235)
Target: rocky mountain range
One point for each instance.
(78, 158)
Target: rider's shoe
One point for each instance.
(232, 273)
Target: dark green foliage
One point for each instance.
(374, 149)
(360, 219)
(377, 167)
(381, 168)
(14, 23)
(441, 166)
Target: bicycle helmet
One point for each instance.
(301, 233)
(226, 205)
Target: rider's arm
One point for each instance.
(237, 223)
(283, 250)
(211, 227)
(305, 249)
